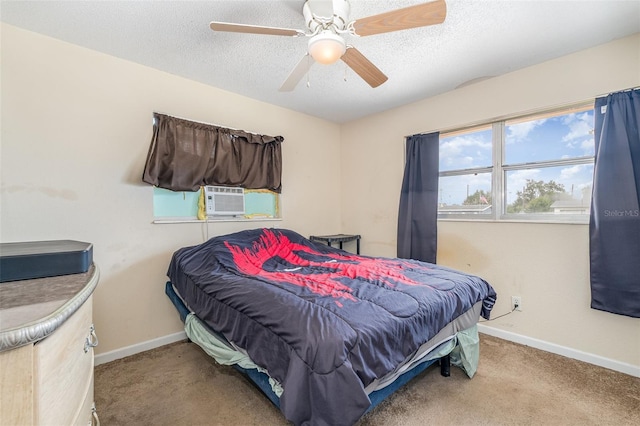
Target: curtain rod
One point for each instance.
(620, 91)
(488, 121)
(208, 124)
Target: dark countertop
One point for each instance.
(30, 310)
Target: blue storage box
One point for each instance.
(40, 259)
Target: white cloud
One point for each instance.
(454, 152)
(588, 146)
(576, 178)
(454, 190)
(520, 131)
(570, 172)
(479, 181)
(580, 127)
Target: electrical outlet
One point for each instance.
(516, 303)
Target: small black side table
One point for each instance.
(337, 238)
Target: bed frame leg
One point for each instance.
(445, 366)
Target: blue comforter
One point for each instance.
(321, 321)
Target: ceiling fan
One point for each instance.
(328, 20)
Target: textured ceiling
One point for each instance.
(478, 39)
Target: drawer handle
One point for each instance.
(92, 339)
(95, 421)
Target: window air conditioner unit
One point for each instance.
(224, 201)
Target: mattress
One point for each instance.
(327, 325)
(460, 334)
(462, 349)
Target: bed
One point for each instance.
(324, 333)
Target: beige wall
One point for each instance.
(76, 126)
(546, 264)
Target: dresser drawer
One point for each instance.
(85, 415)
(63, 370)
(16, 393)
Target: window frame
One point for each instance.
(499, 170)
(192, 202)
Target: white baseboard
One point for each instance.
(139, 347)
(600, 361)
(632, 370)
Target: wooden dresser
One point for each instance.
(46, 351)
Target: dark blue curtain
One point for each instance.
(614, 228)
(418, 214)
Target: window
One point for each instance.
(466, 166)
(188, 158)
(537, 167)
(182, 206)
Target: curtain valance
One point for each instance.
(185, 155)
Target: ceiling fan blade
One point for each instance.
(363, 67)
(420, 15)
(297, 73)
(253, 29)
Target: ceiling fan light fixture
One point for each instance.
(326, 48)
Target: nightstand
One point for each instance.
(337, 238)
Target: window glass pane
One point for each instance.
(549, 190)
(260, 203)
(174, 204)
(465, 194)
(466, 151)
(550, 138)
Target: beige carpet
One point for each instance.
(515, 385)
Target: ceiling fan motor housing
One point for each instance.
(322, 15)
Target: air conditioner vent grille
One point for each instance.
(223, 200)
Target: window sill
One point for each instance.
(165, 221)
(536, 221)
